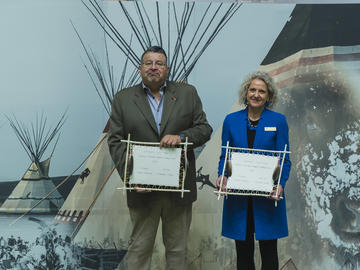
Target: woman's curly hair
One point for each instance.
(272, 89)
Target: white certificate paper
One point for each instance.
(155, 166)
(252, 172)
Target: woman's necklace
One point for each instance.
(252, 123)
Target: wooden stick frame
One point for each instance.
(229, 150)
(183, 168)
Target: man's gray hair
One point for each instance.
(272, 89)
(154, 49)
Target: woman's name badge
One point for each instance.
(270, 128)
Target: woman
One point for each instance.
(243, 216)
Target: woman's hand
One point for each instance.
(279, 195)
(218, 181)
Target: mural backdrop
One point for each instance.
(55, 54)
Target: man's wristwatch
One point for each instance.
(182, 137)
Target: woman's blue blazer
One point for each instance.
(271, 134)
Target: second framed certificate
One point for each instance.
(254, 172)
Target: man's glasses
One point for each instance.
(157, 64)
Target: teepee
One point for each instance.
(99, 164)
(182, 58)
(107, 222)
(35, 183)
(316, 65)
(97, 209)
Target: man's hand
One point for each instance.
(170, 141)
(141, 190)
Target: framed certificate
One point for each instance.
(254, 172)
(149, 167)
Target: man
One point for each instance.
(158, 110)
